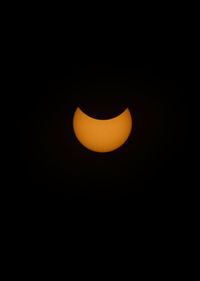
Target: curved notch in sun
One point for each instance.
(102, 135)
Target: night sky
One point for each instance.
(51, 161)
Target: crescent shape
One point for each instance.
(102, 135)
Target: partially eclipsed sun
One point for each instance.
(102, 135)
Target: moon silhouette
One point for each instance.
(102, 135)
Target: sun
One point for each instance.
(102, 135)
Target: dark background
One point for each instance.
(154, 158)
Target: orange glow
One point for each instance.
(102, 135)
